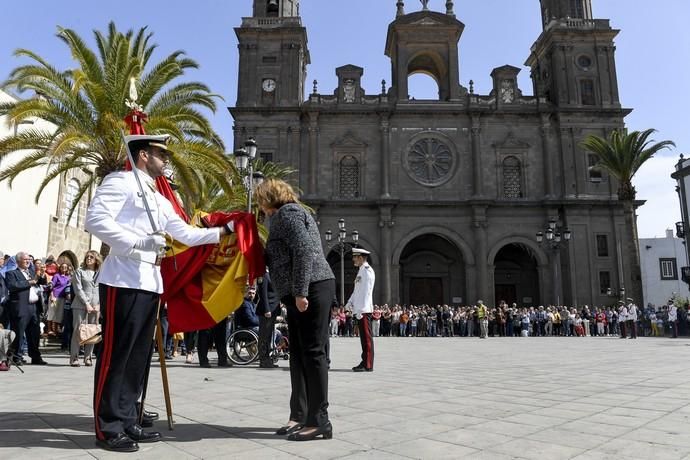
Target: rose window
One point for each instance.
(430, 161)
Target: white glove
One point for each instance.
(151, 243)
(230, 227)
(359, 316)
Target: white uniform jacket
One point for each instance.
(361, 300)
(632, 312)
(117, 216)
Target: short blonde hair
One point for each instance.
(274, 193)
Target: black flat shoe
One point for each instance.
(204, 364)
(119, 443)
(138, 434)
(326, 431)
(289, 429)
(38, 362)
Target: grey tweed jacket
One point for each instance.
(293, 252)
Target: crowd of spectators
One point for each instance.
(57, 321)
(512, 321)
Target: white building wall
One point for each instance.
(25, 223)
(656, 290)
(39, 229)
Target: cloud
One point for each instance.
(654, 184)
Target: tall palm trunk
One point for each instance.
(635, 291)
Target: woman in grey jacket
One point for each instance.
(306, 286)
(86, 305)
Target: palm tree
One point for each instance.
(621, 156)
(214, 198)
(87, 107)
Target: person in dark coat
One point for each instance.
(245, 315)
(267, 309)
(25, 308)
(306, 286)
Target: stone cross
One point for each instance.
(425, 4)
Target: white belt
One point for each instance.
(142, 256)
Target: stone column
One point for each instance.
(385, 156)
(546, 155)
(572, 90)
(480, 226)
(386, 224)
(313, 152)
(477, 184)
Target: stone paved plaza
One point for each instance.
(532, 398)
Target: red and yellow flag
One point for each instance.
(204, 284)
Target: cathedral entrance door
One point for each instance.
(426, 291)
(432, 271)
(515, 276)
(506, 292)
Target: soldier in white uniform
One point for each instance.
(362, 305)
(672, 319)
(632, 318)
(622, 318)
(130, 285)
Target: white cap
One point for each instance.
(160, 141)
(360, 252)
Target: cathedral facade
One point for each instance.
(449, 194)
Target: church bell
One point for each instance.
(272, 7)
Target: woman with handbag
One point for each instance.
(85, 306)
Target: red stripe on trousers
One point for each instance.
(106, 354)
(368, 339)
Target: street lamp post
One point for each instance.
(555, 237)
(244, 160)
(342, 237)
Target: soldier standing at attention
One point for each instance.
(362, 305)
(130, 283)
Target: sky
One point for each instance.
(652, 56)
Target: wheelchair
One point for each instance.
(242, 346)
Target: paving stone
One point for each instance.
(475, 401)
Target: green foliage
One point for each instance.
(622, 155)
(86, 106)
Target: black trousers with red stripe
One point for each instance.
(129, 318)
(367, 340)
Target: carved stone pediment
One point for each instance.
(511, 142)
(349, 140)
(426, 22)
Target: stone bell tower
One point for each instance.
(573, 61)
(425, 42)
(273, 55)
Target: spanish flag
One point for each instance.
(204, 284)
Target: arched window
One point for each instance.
(512, 178)
(70, 196)
(349, 177)
(422, 86)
